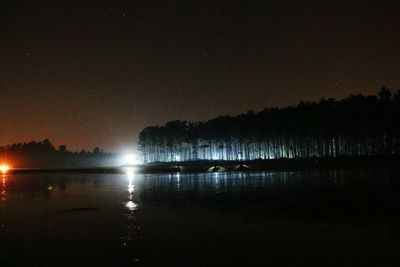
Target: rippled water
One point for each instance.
(205, 219)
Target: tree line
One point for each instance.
(45, 154)
(358, 125)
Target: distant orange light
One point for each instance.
(4, 168)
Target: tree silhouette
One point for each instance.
(355, 126)
(44, 154)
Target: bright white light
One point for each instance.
(129, 159)
(130, 172)
(214, 157)
(131, 188)
(131, 205)
(177, 158)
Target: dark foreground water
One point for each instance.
(209, 219)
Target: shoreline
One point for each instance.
(231, 166)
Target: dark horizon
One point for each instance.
(94, 73)
(355, 126)
(393, 95)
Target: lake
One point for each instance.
(204, 219)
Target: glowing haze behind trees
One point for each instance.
(356, 126)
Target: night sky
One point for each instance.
(87, 73)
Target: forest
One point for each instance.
(44, 154)
(358, 125)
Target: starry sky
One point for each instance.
(94, 73)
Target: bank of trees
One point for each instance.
(44, 154)
(355, 126)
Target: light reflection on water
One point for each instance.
(178, 181)
(3, 188)
(131, 214)
(132, 236)
(131, 205)
(131, 187)
(3, 193)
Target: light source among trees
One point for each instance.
(355, 126)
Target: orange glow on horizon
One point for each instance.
(4, 168)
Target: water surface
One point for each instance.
(203, 219)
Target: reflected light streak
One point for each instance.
(178, 181)
(4, 189)
(131, 187)
(130, 172)
(216, 177)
